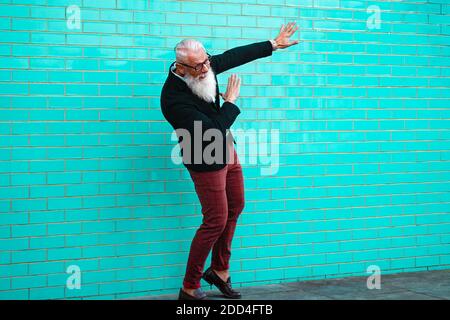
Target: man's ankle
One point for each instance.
(189, 291)
(222, 274)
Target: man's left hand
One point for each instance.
(287, 31)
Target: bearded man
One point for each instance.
(190, 103)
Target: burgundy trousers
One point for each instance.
(221, 195)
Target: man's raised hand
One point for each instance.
(286, 32)
(232, 93)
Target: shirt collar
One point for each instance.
(172, 69)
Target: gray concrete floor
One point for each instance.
(424, 285)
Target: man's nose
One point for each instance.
(204, 68)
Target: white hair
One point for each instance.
(185, 46)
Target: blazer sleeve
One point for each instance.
(240, 55)
(184, 116)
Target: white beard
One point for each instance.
(203, 88)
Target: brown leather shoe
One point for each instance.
(199, 294)
(225, 287)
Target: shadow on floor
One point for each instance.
(424, 285)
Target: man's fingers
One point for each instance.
(233, 83)
(237, 82)
(291, 28)
(288, 27)
(291, 31)
(230, 81)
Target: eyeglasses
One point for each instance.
(199, 66)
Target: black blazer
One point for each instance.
(181, 107)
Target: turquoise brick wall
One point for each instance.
(86, 177)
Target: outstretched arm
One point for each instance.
(240, 55)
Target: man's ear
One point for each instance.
(180, 68)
